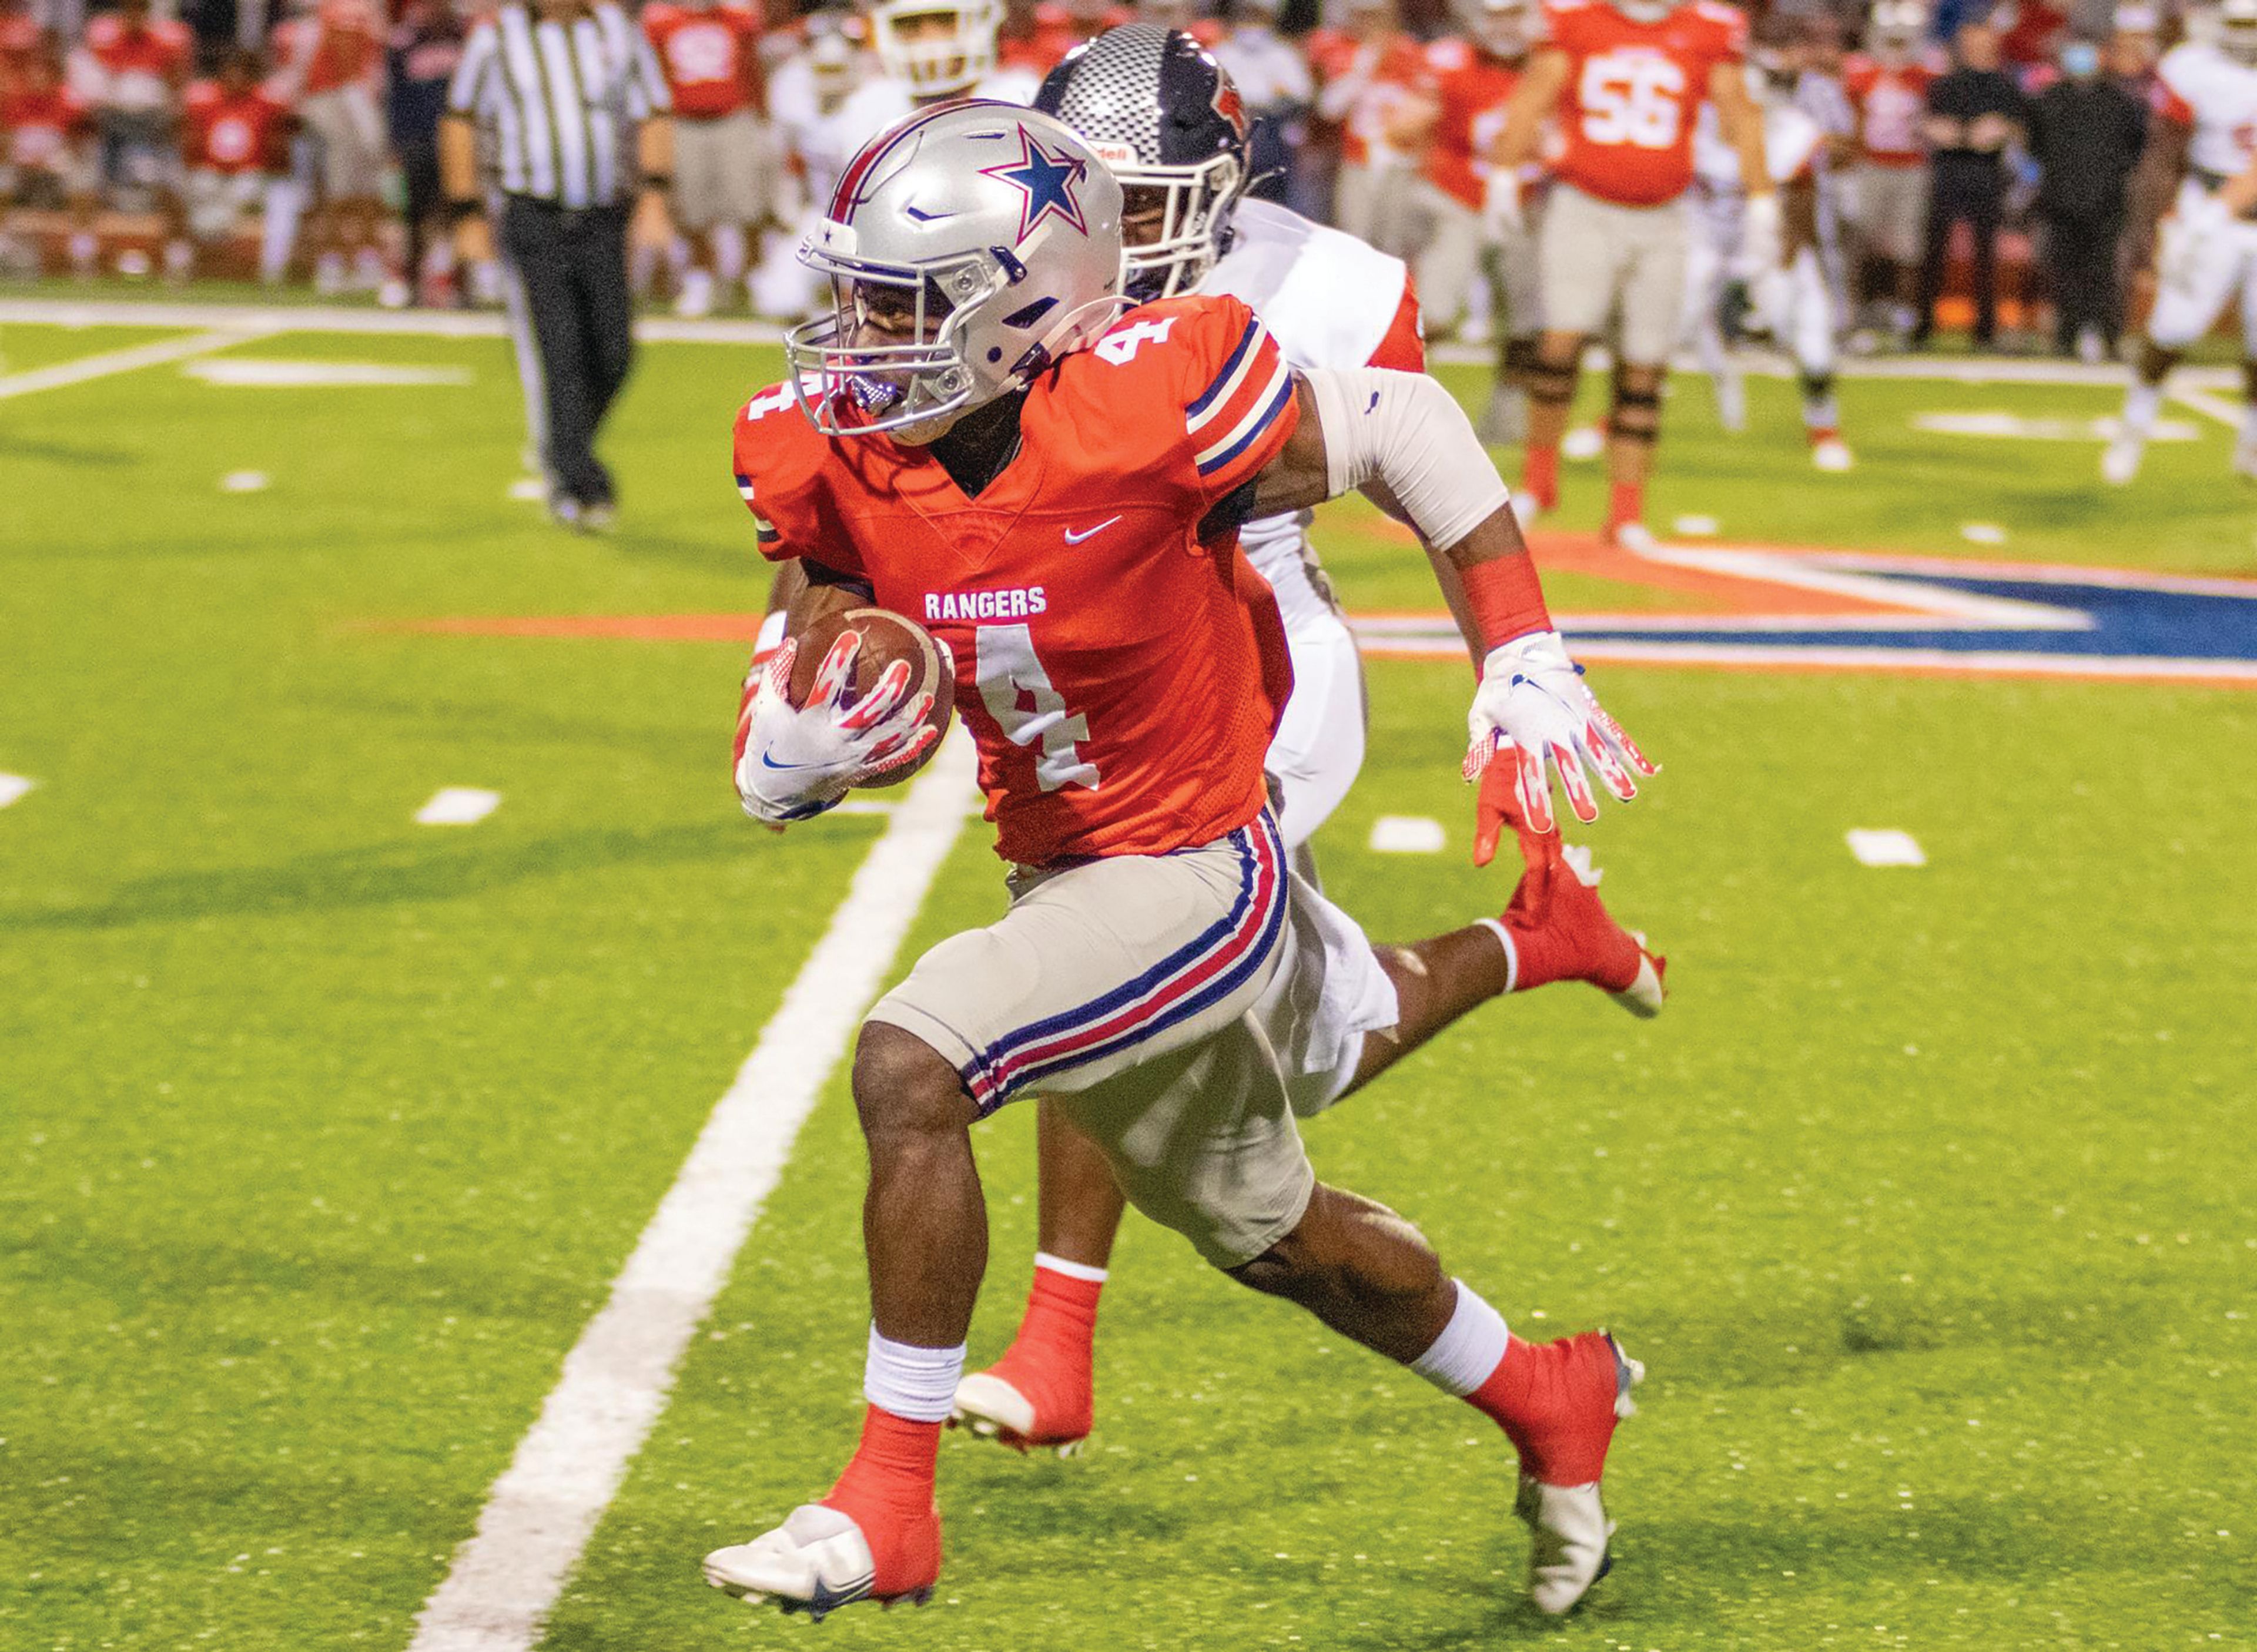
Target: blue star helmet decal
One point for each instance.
(1049, 182)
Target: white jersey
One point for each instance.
(2200, 88)
(880, 101)
(817, 138)
(1792, 145)
(1331, 301)
(1269, 73)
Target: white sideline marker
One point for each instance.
(528, 490)
(1886, 846)
(1983, 533)
(542, 1511)
(243, 482)
(259, 372)
(458, 806)
(1697, 527)
(13, 788)
(1407, 835)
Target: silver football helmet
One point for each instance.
(968, 246)
(937, 48)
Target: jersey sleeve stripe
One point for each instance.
(1274, 398)
(1216, 396)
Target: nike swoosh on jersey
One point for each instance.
(1072, 538)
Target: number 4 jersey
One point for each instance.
(1634, 90)
(1121, 675)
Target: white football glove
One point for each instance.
(1532, 706)
(793, 762)
(1763, 236)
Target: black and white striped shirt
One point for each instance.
(560, 101)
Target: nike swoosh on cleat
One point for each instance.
(1072, 538)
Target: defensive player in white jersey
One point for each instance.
(1791, 302)
(808, 95)
(2205, 131)
(1164, 115)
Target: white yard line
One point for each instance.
(2211, 403)
(542, 1510)
(63, 374)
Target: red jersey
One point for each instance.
(38, 127)
(19, 44)
(341, 43)
(1362, 85)
(1890, 100)
(1057, 31)
(1634, 94)
(710, 55)
(1121, 677)
(140, 65)
(231, 134)
(1472, 88)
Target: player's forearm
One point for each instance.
(1524, 116)
(458, 158)
(654, 147)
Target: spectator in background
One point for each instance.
(2030, 34)
(1365, 74)
(20, 44)
(724, 161)
(330, 68)
(2085, 133)
(1060, 25)
(46, 154)
(1274, 83)
(2133, 47)
(419, 62)
(234, 147)
(130, 69)
(1973, 114)
(1183, 15)
(1887, 86)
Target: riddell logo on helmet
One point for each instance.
(1114, 154)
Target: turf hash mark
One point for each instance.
(458, 806)
(616, 1379)
(1886, 846)
(1407, 835)
(86, 368)
(13, 788)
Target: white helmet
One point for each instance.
(1895, 33)
(2237, 30)
(986, 238)
(1501, 28)
(938, 48)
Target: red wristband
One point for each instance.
(1507, 598)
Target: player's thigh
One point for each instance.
(1520, 279)
(1317, 750)
(1202, 1139)
(1653, 285)
(744, 169)
(1580, 262)
(699, 164)
(2188, 307)
(1102, 967)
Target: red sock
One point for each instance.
(1625, 503)
(1053, 1359)
(888, 1491)
(1555, 1402)
(1539, 475)
(1822, 433)
(1540, 956)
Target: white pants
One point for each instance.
(2199, 281)
(1319, 746)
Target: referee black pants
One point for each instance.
(573, 269)
(1976, 194)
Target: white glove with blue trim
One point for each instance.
(1532, 706)
(795, 762)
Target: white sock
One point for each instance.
(1511, 952)
(917, 1384)
(2141, 403)
(1072, 1270)
(1470, 1348)
(729, 252)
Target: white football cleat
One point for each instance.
(1634, 537)
(1582, 444)
(993, 1409)
(817, 1562)
(1832, 454)
(1568, 1524)
(2119, 461)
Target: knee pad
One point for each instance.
(1549, 384)
(1518, 361)
(1636, 415)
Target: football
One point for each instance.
(887, 637)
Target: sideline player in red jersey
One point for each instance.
(233, 140)
(1056, 491)
(1164, 115)
(724, 165)
(1626, 81)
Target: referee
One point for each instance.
(572, 102)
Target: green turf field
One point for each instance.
(1927, 1202)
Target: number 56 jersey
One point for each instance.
(1121, 675)
(1635, 87)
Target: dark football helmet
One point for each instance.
(1163, 114)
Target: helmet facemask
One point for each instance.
(890, 358)
(1172, 223)
(938, 48)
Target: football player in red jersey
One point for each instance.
(1625, 79)
(233, 138)
(976, 437)
(724, 167)
(1330, 301)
